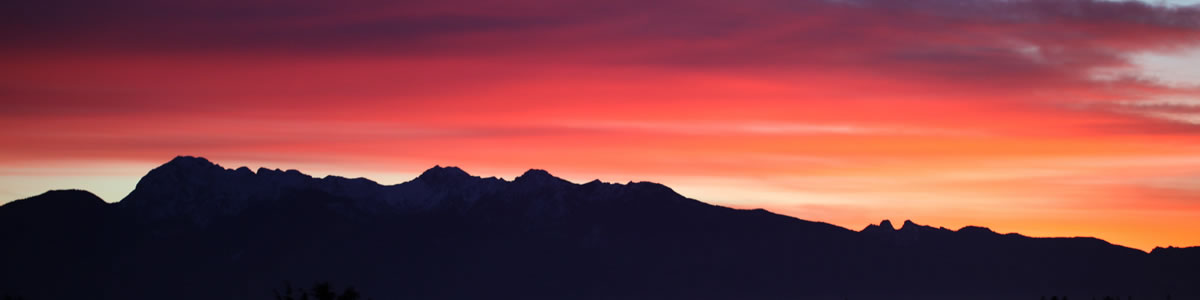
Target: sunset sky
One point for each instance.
(1044, 117)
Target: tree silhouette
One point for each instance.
(349, 294)
(320, 291)
(289, 292)
(323, 291)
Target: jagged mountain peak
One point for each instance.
(884, 226)
(288, 177)
(189, 162)
(912, 228)
(193, 187)
(198, 188)
(186, 169)
(179, 171)
(441, 174)
(531, 173)
(244, 170)
(539, 176)
(908, 229)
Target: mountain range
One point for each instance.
(192, 229)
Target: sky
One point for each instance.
(1044, 117)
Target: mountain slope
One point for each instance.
(195, 230)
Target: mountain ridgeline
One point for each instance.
(194, 230)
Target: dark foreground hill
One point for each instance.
(194, 230)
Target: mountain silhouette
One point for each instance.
(192, 229)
